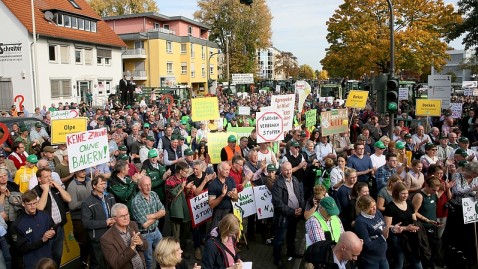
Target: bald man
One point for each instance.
(347, 249)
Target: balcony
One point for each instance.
(162, 30)
(134, 54)
(139, 75)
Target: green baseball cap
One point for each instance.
(152, 153)
(400, 145)
(32, 159)
(429, 146)
(379, 144)
(122, 148)
(150, 138)
(271, 168)
(23, 129)
(328, 203)
(463, 140)
(123, 157)
(188, 152)
(461, 152)
(294, 144)
(146, 125)
(231, 138)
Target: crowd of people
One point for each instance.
(384, 201)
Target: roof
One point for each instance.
(157, 16)
(22, 10)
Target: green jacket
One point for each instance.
(123, 192)
(178, 206)
(157, 181)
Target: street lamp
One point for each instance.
(209, 68)
(227, 60)
(392, 60)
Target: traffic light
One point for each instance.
(380, 89)
(392, 95)
(247, 2)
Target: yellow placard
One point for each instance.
(356, 99)
(71, 250)
(215, 142)
(62, 127)
(426, 107)
(204, 109)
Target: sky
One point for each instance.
(298, 26)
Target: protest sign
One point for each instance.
(244, 110)
(456, 110)
(356, 99)
(439, 88)
(263, 199)
(65, 114)
(240, 131)
(62, 127)
(199, 209)
(469, 210)
(270, 126)
(328, 99)
(215, 143)
(246, 202)
(206, 108)
(403, 94)
(311, 117)
(426, 107)
(284, 103)
(334, 121)
(303, 89)
(87, 149)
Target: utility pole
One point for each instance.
(392, 62)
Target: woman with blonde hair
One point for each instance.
(219, 251)
(168, 254)
(384, 195)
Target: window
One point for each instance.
(60, 88)
(193, 72)
(93, 27)
(88, 56)
(59, 19)
(184, 68)
(65, 54)
(74, 23)
(203, 70)
(107, 61)
(81, 24)
(156, 25)
(192, 51)
(104, 87)
(169, 48)
(78, 56)
(183, 48)
(139, 44)
(190, 30)
(169, 67)
(203, 52)
(52, 53)
(166, 26)
(67, 21)
(74, 4)
(103, 54)
(87, 25)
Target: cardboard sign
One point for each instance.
(87, 149)
(263, 199)
(403, 94)
(199, 209)
(356, 99)
(469, 84)
(215, 143)
(334, 121)
(65, 114)
(311, 117)
(71, 249)
(244, 110)
(426, 107)
(286, 104)
(456, 110)
(63, 127)
(470, 210)
(204, 108)
(270, 126)
(246, 203)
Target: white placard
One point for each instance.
(243, 78)
(329, 99)
(270, 126)
(403, 94)
(456, 110)
(87, 149)
(468, 92)
(286, 104)
(469, 210)
(263, 198)
(65, 114)
(244, 110)
(469, 84)
(439, 87)
(199, 209)
(277, 88)
(246, 203)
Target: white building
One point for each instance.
(75, 52)
(457, 58)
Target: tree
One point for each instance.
(245, 29)
(322, 75)
(306, 72)
(106, 8)
(470, 64)
(469, 25)
(286, 65)
(359, 36)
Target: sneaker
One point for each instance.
(197, 254)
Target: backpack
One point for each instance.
(13, 205)
(320, 254)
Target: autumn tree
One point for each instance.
(322, 75)
(306, 72)
(359, 36)
(286, 65)
(245, 29)
(469, 25)
(106, 8)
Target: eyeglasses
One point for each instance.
(125, 216)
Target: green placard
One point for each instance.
(311, 117)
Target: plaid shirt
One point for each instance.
(383, 174)
(141, 207)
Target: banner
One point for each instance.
(456, 110)
(246, 203)
(215, 143)
(270, 126)
(65, 114)
(263, 199)
(244, 110)
(199, 209)
(62, 127)
(87, 149)
(334, 121)
(71, 249)
(303, 89)
(356, 99)
(470, 210)
(403, 94)
(286, 104)
(311, 117)
(240, 131)
(426, 107)
(206, 108)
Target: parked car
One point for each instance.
(29, 122)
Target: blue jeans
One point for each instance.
(153, 239)
(399, 255)
(57, 245)
(6, 252)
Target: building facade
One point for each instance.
(453, 66)
(74, 53)
(166, 52)
(271, 62)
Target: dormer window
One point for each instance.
(74, 4)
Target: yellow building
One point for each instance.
(166, 51)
